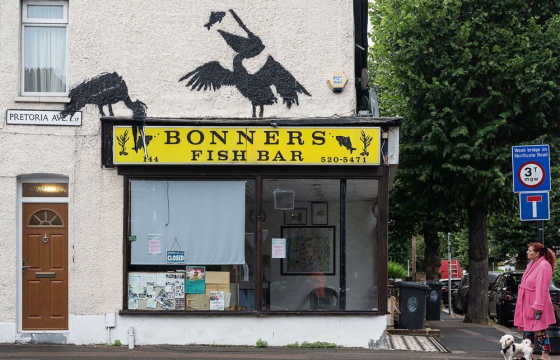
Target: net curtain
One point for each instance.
(45, 52)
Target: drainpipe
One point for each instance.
(131, 338)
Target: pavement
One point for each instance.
(448, 338)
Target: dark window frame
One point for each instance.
(256, 173)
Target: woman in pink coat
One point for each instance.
(534, 311)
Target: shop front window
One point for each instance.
(187, 244)
(308, 274)
(192, 245)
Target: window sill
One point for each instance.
(246, 313)
(42, 99)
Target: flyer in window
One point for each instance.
(196, 282)
(278, 248)
(154, 244)
(217, 300)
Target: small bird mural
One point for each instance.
(257, 87)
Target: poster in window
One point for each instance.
(309, 250)
(154, 244)
(278, 248)
(196, 276)
(217, 300)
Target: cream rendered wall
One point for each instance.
(151, 44)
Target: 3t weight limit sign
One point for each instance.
(531, 168)
(531, 174)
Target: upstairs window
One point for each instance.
(44, 48)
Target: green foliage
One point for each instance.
(471, 79)
(395, 270)
(314, 345)
(117, 342)
(318, 344)
(556, 276)
(262, 343)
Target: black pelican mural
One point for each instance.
(105, 90)
(255, 87)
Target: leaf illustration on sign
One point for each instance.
(256, 87)
(366, 141)
(122, 142)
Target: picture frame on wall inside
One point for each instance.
(319, 213)
(295, 217)
(309, 250)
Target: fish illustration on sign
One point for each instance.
(346, 142)
(143, 140)
(215, 16)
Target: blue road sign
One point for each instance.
(534, 206)
(531, 168)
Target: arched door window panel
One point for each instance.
(44, 190)
(45, 218)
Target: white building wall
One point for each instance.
(152, 44)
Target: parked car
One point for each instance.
(492, 277)
(503, 296)
(460, 297)
(445, 291)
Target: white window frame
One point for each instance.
(28, 22)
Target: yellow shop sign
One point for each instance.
(246, 145)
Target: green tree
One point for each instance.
(471, 78)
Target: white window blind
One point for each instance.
(207, 217)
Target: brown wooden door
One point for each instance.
(45, 272)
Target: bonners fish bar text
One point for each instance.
(246, 145)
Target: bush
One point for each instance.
(556, 276)
(318, 345)
(395, 270)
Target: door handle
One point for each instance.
(23, 267)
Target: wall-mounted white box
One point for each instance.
(110, 320)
